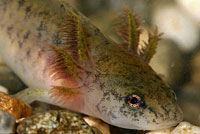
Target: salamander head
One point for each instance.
(135, 97)
(143, 108)
(140, 109)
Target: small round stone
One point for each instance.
(176, 25)
(3, 89)
(14, 106)
(7, 122)
(186, 128)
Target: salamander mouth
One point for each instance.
(148, 126)
(162, 123)
(147, 122)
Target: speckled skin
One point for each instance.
(28, 27)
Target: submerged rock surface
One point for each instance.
(14, 106)
(7, 123)
(53, 122)
(182, 128)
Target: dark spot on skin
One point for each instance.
(166, 111)
(141, 113)
(26, 35)
(106, 97)
(62, 6)
(20, 44)
(9, 28)
(175, 115)
(42, 27)
(39, 35)
(135, 114)
(96, 31)
(28, 9)
(21, 3)
(106, 42)
(56, 39)
(152, 111)
(143, 105)
(102, 86)
(28, 54)
(135, 119)
(43, 13)
(112, 114)
(124, 112)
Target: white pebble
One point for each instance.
(7, 122)
(164, 131)
(177, 26)
(3, 89)
(182, 128)
(191, 6)
(186, 128)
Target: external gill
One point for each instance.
(62, 63)
(149, 50)
(81, 44)
(128, 28)
(59, 94)
(74, 39)
(131, 35)
(69, 59)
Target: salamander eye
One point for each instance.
(133, 100)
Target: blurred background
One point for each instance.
(177, 59)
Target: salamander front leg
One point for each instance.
(31, 94)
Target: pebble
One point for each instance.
(176, 25)
(182, 128)
(97, 123)
(186, 128)
(3, 89)
(7, 123)
(14, 106)
(192, 6)
(56, 122)
(40, 107)
(163, 131)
